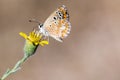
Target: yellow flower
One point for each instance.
(32, 42)
(34, 38)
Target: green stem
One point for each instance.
(14, 69)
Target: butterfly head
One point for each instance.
(40, 26)
(42, 30)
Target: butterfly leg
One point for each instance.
(47, 38)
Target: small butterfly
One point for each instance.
(57, 24)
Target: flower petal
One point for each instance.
(23, 35)
(42, 43)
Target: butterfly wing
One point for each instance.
(57, 25)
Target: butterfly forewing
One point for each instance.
(57, 25)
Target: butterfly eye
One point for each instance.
(40, 25)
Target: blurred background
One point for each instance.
(90, 52)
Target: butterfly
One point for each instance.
(57, 25)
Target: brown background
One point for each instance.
(90, 52)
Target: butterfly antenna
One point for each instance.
(34, 20)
